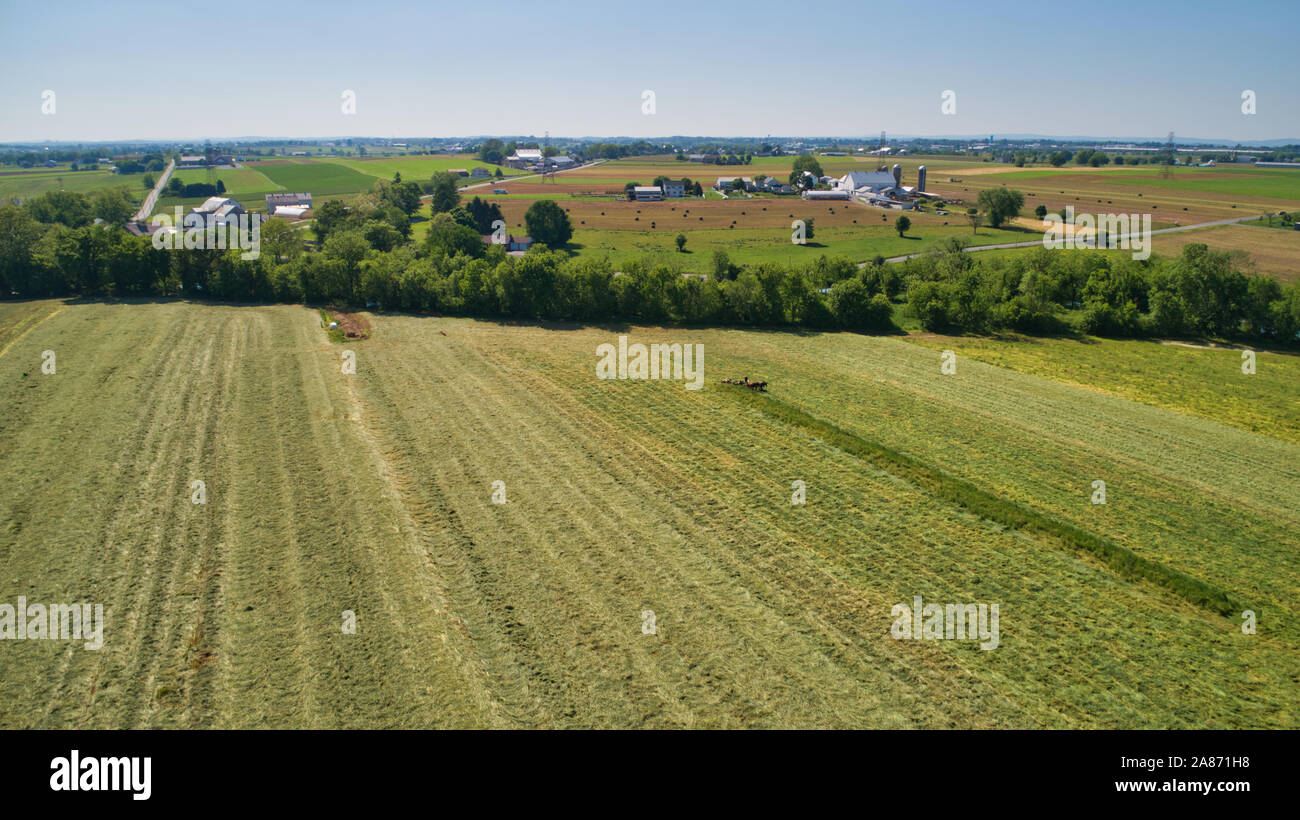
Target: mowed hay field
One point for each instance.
(1192, 195)
(1271, 250)
(373, 493)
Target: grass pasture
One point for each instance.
(26, 183)
(373, 493)
(321, 178)
(417, 168)
(239, 181)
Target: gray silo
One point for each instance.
(898, 174)
(920, 178)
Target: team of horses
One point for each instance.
(745, 382)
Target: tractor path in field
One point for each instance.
(1117, 238)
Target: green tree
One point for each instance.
(854, 306)
(444, 193)
(19, 233)
(807, 162)
(348, 247)
(721, 265)
(404, 195)
(461, 216)
(1000, 204)
(902, 224)
(64, 207)
(329, 217)
(449, 237)
(548, 223)
(280, 241)
(681, 242)
(492, 151)
(113, 206)
(1041, 212)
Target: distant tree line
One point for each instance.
(49, 246)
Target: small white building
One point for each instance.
(647, 193)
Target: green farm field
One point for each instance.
(319, 177)
(24, 184)
(755, 246)
(418, 168)
(373, 493)
(239, 181)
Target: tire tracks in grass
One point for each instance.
(104, 566)
(158, 664)
(1008, 513)
(264, 661)
(381, 675)
(760, 546)
(1165, 488)
(451, 547)
(457, 685)
(27, 323)
(1185, 628)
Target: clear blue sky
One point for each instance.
(192, 71)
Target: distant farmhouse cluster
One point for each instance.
(883, 189)
(663, 189)
(204, 161)
(880, 188)
(766, 185)
(532, 159)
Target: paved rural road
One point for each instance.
(1032, 243)
(147, 208)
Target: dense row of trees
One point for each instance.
(50, 246)
(1202, 293)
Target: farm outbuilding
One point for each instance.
(276, 203)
